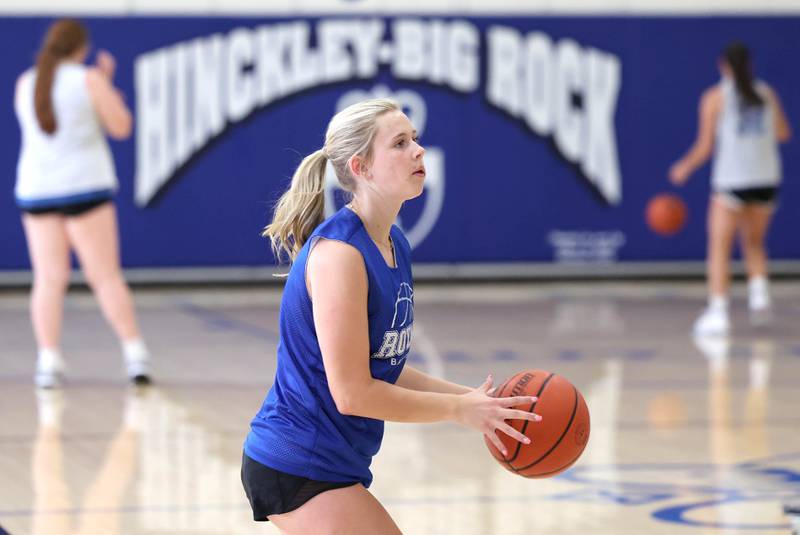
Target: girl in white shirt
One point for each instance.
(744, 118)
(65, 184)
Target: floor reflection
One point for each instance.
(694, 436)
(54, 511)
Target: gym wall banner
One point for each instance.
(545, 136)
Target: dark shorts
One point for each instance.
(750, 196)
(272, 492)
(69, 210)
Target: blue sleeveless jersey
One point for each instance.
(299, 429)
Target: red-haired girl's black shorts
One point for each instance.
(69, 210)
(272, 492)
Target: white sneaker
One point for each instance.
(49, 369)
(758, 300)
(712, 322)
(715, 348)
(137, 362)
(138, 371)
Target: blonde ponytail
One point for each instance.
(351, 132)
(300, 209)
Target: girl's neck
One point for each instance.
(377, 220)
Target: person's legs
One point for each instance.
(48, 249)
(722, 221)
(755, 220)
(350, 510)
(93, 235)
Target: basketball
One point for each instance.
(666, 214)
(558, 440)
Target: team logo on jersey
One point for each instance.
(751, 121)
(397, 339)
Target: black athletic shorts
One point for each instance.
(272, 492)
(69, 210)
(761, 196)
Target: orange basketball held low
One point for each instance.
(666, 214)
(558, 440)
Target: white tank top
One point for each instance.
(746, 154)
(73, 164)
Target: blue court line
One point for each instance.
(697, 489)
(687, 385)
(621, 426)
(672, 514)
(123, 384)
(783, 479)
(702, 384)
(131, 509)
(732, 424)
(74, 511)
(223, 322)
(66, 437)
(103, 437)
(676, 515)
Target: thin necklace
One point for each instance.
(388, 244)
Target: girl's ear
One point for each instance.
(358, 166)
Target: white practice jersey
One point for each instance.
(746, 154)
(73, 164)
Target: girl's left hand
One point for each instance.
(479, 410)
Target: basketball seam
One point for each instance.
(554, 446)
(563, 467)
(525, 425)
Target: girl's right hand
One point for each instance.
(106, 63)
(487, 414)
(679, 173)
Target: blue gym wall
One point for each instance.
(509, 194)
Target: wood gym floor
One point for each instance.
(688, 436)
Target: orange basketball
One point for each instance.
(666, 214)
(558, 440)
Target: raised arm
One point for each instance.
(700, 151)
(107, 100)
(337, 281)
